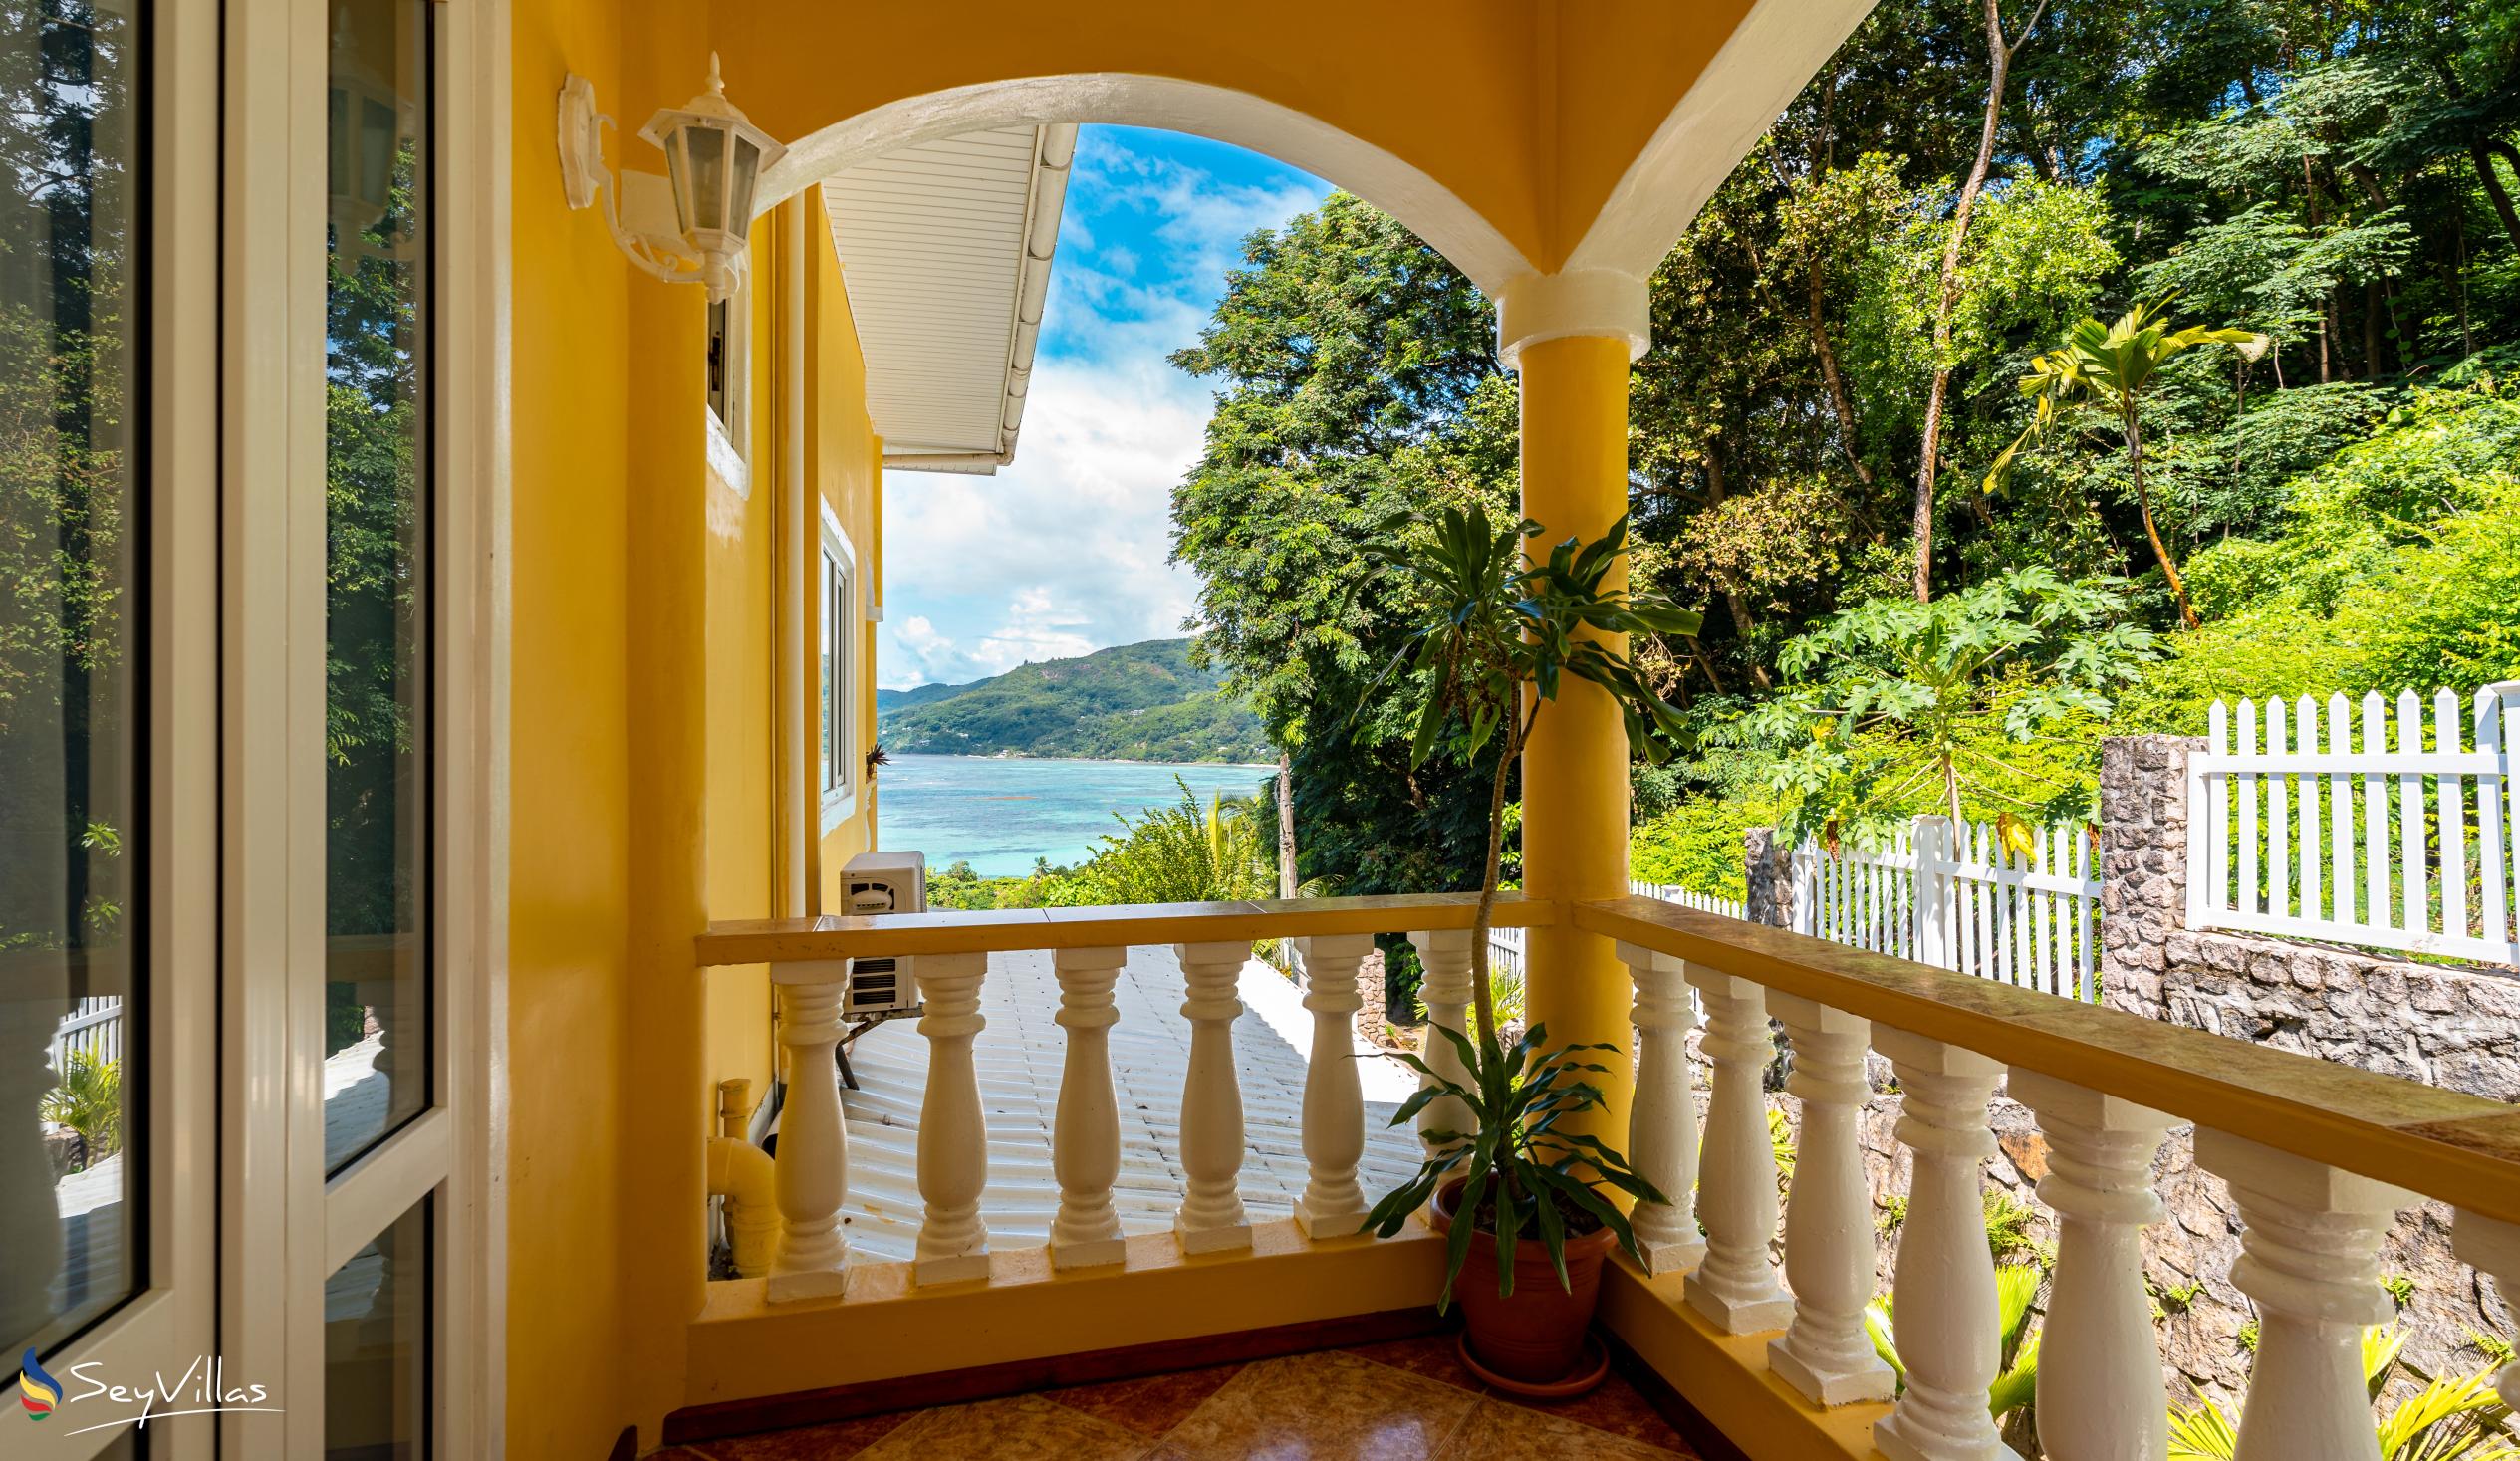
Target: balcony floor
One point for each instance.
(1019, 1056)
(1401, 1401)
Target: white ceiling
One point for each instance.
(933, 242)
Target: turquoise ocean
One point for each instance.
(999, 815)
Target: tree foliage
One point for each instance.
(2336, 179)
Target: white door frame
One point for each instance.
(173, 1318)
(285, 1226)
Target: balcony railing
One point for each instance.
(2318, 1157)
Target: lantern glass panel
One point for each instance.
(709, 178)
(740, 181)
(378, 142)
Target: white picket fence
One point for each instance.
(2293, 828)
(1967, 902)
(1505, 945)
(95, 1026)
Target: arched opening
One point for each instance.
(1429, 209)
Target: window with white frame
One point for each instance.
(839, 699)
(728, 384)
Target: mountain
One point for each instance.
(1131, 702)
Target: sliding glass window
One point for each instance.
(379, 605)
(72, 979)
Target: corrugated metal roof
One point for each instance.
(947, 247)
(1019, 1056)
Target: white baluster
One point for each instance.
(953, 1139)
(1735, 1285)
(1823, 1353)
(2493, 1245)
(2099, 1368)
(1446, 993)
(1332, 1206)
(1945, 1289)
(813, 1161)
(1663, 1123)
(1211, 1218)
(1085, 1145)
(2310, 1256)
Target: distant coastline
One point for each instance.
(1142, 702)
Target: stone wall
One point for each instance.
(2447, 1026)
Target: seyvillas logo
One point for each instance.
(37, 1392)
(200, 1389)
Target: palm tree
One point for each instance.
(2111, 366)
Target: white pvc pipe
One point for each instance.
(796, 500)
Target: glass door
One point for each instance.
(352, 1138)
(108, 717)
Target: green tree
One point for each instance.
(1898, 705)
(1357, 376)
(2112, 366)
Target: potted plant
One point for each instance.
(1520, 1194)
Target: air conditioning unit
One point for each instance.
(872, 885)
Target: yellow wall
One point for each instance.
(743, 583)
(643, 745)
(642, 657)
(566, 1133)
(847, 469)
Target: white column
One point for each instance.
(1950, 1337)
(2099, 1367)
(1210, 1218)
(953, 1138)
(2310, 1256)
(813, 1140)
(1825, 1354)
(2493, 1245)
(1445, 991)
(1735, 1284)
(1662, 1122)
(1334, 1101)
(1085, 1145)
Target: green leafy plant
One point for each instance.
(2496, 1349)
(2112, 366)
(2179, 1298)
(1493, 638)
(1899, 705)
(89, 1101)
(2008, 1221)
(2452, 1418)
(1517, 1166)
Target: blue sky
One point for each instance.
(1064, 551)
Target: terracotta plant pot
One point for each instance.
(1536, 1336)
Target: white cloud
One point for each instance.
(1067, 550)
(1059, 553)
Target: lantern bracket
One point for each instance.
(586, 182)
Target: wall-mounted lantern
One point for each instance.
(713, 159)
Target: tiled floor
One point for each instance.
(1404, 1401)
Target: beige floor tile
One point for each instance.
(1017, 1428)
(1320, 1407)
(1501, 1431)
